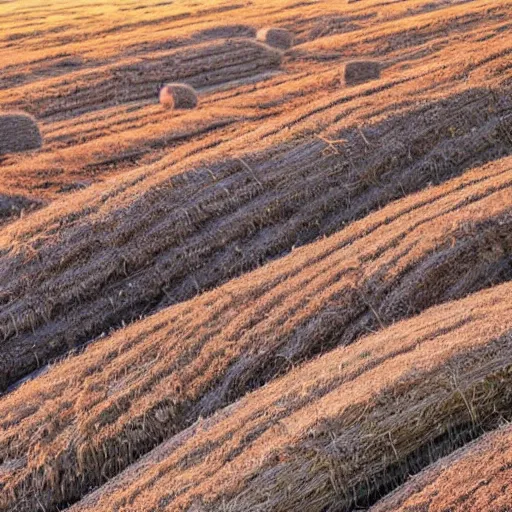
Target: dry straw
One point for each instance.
(133, 79)
(275, 37)
(249, 331)
(18, 133)
(178, 96)
(452, 482)
(338, 432)
(360, 71)
(263, 215)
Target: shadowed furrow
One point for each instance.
(477, 478)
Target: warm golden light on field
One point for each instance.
(255, 255)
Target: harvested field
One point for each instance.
(128, 392)
(477, 478)
(176, 284)
(288, 104)
(338, 432)
(141, 78)
(212, 223)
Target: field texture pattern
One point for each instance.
(292, 294)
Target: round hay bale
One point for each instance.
(178, 96)
(19, 132)
(276, 37)
(360, 71)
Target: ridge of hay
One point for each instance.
(19, 132)
(149, 381)
(272, 161)
(477, 477)
(340, 431)
(282, 96)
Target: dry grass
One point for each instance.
(15, 206)
(358, 72)
(135, 79)
(164, 242)
(339, 431)
(169, 215)
(127, 393)
(288, 102)
(477, 478)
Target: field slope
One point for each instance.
(164, 233)
(291, 297)
(128, 392)
(339, 431)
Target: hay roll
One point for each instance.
(18, 132)
(360, 71)
(275, 37)
(178, 96)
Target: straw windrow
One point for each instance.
(342, 430)
(137, 79)
(476, 477)
(208, 225)
(127, 393)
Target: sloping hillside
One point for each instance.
(341, 430)
(177, 285)
(164, 233)
(130, 391)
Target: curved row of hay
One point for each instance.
(339, 432)
(101, 265)
(99, 29)
(394, 34)
(138, 79)
(92, 415)
(477, 477)
(92, 148)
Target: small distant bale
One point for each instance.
(276, 37)
(360, 71)
(19, 132)
(178, 96)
